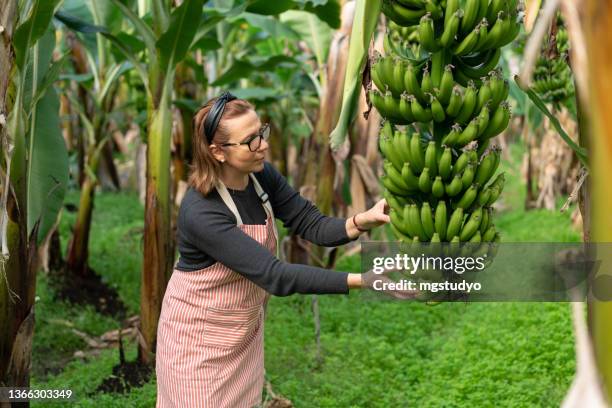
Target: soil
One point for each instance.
(88, 289)
(125, 376)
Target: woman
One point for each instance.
(210, 333)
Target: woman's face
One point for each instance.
(241, 129)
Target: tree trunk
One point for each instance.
(76, 258)
(158, 242)
(17, 283)
(598, 34)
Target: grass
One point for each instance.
(375, 353)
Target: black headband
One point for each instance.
(214, 115)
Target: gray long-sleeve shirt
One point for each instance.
(207, 233)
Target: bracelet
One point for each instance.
(357, 226)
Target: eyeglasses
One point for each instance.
(254, 141)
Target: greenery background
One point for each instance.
(376, 354)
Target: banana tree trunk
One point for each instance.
(598, 33)
(76, 259)
(16, 288)
(158, 244)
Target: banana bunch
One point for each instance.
(552, 76)
(442, 105)
(434, 198)
(401, 41)
(470, 114)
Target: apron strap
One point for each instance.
(227, 199)
(229, 202)
(268, 207)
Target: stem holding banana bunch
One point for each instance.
(439, 168)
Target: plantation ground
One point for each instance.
(376, 354)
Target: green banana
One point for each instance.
(481, 56)
(467, 177)
(455, 102)
(392, 187)
(392, 201)
(454, 187)
(468, 21)
(437, 111)
(379, 103)
(462, 161)
(427, 37)
(440, 221)
(451, 7)
(484, 95)
(468, 43)
(426, 84)
(438, 61)
(386, 71)
(482, 10)
(450, 30)
(444, 164)
(446, 84)
(401, 144)
(499, 121)
(479, 71)
(493, 10)
(392, 108)
(420, 114)
(497, 85)
(451, 138)
(411, 84)
(454, 223)
(476, 238)
(471, 226)
(396, 85)
(395, 177)
(486, 168)
(398, 222)
(510, 34)
(469, 103)
(375, 74)
(404, 108)
(486, 218)
(409, 177)
(472, 156)
(431, 158)
(437, 187)
(483, 197)
(416, 153)
(425, 181)
(434, 9)
(489, 234)
(469, 133)
(389, 151)
(427, 220)
(495, 192)
(495, 33)
(400, 235)
(414, 220)
(401, 15)
(435, 239)
(483, 119)
(468, 197)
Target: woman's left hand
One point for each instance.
(374, 217)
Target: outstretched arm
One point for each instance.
(303, 218)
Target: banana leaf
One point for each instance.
(184, 22)
(364, 24)
(48, 165)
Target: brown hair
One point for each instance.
(205, 169)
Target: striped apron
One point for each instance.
(210, 334)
